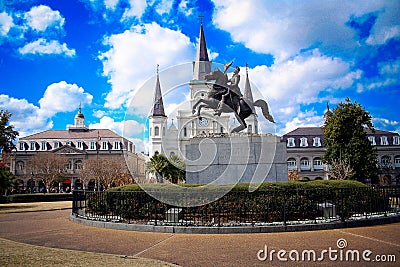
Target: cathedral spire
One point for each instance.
(248, 94)
(202, 64)
(158, 104)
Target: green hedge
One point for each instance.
(270, 202)
(37, 197)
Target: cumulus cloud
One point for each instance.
(283, 29)
(58, 97)
(43, 47)
(134, 54)
(303, 119)
(136, 9)
(387, 25)
(185, 9)
(6, 23)
(42, 17)
(63, 97)
(299, 81)
(127, 128)
(26, 117)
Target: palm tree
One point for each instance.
(171, 169)
(158, 165)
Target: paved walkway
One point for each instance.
(53, 229)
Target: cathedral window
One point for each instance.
(184, 132)
(156, 131)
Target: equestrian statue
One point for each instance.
(224, 96)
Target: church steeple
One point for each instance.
(248, 94)
(158, 104)
(202, 65)
(251, 121)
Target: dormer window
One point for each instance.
(57, 144)
(372, 140)
(316, 141)
(104, 145)
(43, 145)
(384, 141)
(79, 145)
(303, 142)
(396, 140)
(290, 142)
(21, 146)
(32, 146)
(92, 145)
(116, 145)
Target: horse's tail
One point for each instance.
(265, 110)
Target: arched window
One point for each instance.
(184, 131)
(156, 131)
(291, 163)
(156, 153)
(318, 165)
(305, 164)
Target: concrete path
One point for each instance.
(53, 229)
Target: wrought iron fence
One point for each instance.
(238, 208)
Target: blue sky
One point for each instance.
(301, 54)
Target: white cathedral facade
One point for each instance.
(172, 139)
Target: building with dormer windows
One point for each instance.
(78, 143)
(305, 151)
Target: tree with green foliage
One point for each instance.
(346, 140)
(7, 139)
(171, 169)
(7, 132)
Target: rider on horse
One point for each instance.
(232, 90)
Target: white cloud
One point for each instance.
(164, 7)
(6, 23)
(136, 9)
(134, 54)
(127, 128)
(288, 85)
(284, 28)
(303, 119)
(183, 7)
(63, 97)
(98, 113)
(43, 46)
(111, 4)
(387, 25)
(26, 117)
(40, 18)
(58, 97)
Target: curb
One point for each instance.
(235, 229)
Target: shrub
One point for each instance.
(293, 200)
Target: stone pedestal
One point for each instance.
(234, 159)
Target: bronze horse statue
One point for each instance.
(233, 103)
